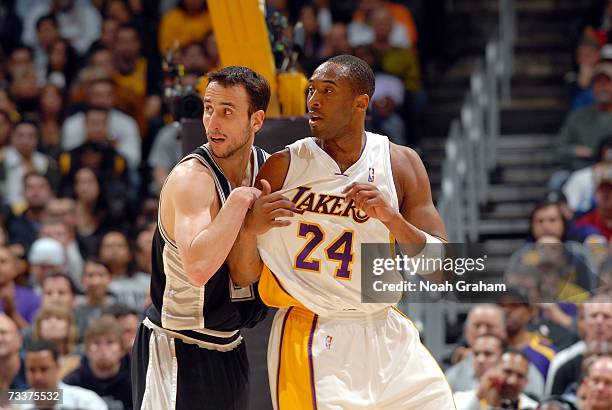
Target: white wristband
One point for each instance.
(431, 255)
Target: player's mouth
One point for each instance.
(313, 118)
(216, 139)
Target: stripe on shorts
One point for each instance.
(295, 385)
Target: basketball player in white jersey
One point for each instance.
(342, 188)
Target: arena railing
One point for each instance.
(470, 155)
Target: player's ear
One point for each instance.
(257, 119)
(362, 101)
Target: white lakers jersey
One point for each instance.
(317, 259)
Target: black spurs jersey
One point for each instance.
(212, 313)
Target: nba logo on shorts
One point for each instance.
(371, 175)
(328, 342)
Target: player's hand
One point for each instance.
(265, 211)
(370, 200)
(245, 195)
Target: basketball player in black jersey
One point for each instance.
(189, 353)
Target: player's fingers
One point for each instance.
(278, 213)
(265, 185)
(279, 223)
(281, 203)
(348, 187)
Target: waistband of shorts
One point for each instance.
(199, 339)
(349, 315)
(208, 337)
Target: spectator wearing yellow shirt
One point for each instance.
(187, 22)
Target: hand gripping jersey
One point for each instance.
(316, 261)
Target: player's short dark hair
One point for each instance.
(360, 74)
(42, 345)
(255, 84)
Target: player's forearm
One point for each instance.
(244, 261)
(210, 248)
(411, 238)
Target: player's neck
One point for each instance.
(345, 149)
(238, 168)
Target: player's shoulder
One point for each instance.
(275, 169)
(404, 159)
(187, 175)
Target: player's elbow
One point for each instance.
(198, 275)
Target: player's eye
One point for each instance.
(228, 111)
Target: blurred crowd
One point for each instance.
(86, 141)
(547, 343)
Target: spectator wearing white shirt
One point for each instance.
(123, 129)
(42, 371)
(79, 22)
(580, 186)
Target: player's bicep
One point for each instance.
(274, 170)
(193, 198)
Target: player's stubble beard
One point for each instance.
(238, 146)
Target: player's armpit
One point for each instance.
(204, 236)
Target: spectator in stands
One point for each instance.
(51, 116)
(91, 210)
(43, 370)
(47, 33)
(135, 73)
(336, 42)
(25, 91)
(129, 320)
(61, 70)
(598, 221)
(95, 282)
(57, 228)
(313, 40)
(20, 158)
(501, 386)
(193, 57)
(21, 57)
(109, 31)
(388, 97)
(487, 351)
(402, 28)
(6, 127)
(104, 369)
(599, 396)
(187, 22)
(18, 302)
(597, 327)
(580, 187)
(24, 226)
(59, 289)
(79, 22)
(581, 92)
(482, 319)
(518, 313)
(128, 286)
(393, 59)
(143, 245)
(12, 369)
(8, 105)
(56, 323)
(96, 153)
(46, 255)
(583, 129)
(122, 128)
